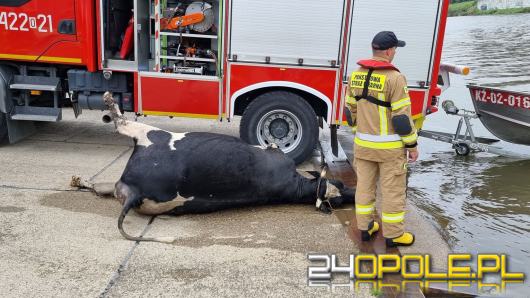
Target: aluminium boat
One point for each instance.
(506, 114)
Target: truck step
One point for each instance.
(36, 114)
(35, 83)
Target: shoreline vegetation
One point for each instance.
(469, 8)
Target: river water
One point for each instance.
(480, 203)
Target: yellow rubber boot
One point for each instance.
(373, 227)
(407, 239)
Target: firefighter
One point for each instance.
(379, 102)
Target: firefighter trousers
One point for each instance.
(392, 176)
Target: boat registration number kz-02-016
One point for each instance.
(502, 98)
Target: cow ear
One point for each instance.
(348, 195)
(314, 174)
(323, 187)
(324, 171)
(337, 183)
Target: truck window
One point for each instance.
(118, 13)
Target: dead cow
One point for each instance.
(183, 173)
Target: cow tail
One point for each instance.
(130, 203)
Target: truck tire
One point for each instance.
(282, 118)
(6, 73)
(3, 128)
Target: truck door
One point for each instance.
(115, 18)
(28, 28)
(414, 21)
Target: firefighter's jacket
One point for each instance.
(384, 126)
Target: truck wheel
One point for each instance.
(3, 128)
(284, 119)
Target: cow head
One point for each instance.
(332, 194)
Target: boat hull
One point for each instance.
(505, 114)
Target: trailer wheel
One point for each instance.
(282, 118)
(3, 128)
(462, 149)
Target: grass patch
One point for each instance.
(462, 8)
(505, 11)
(469, 8)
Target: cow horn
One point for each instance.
(126, 207)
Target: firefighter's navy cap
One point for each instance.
(385, 40)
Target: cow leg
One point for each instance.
(131, 198)
(100, 189)
(114, 109)
(137, 131)
(207, 205)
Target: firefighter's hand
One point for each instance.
(413, 155)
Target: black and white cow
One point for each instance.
(182, 173)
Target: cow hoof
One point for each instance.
(76, 182)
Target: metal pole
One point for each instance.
(157, 36)
(458, 129)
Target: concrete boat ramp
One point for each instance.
(57, 241)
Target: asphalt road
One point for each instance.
(56, 241)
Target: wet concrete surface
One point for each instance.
(251, 251)
(64, 243)
(82, 202)
(51, 252)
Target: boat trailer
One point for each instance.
(468, 142)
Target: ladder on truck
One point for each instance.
(28, 84)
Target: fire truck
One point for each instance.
(283, 66)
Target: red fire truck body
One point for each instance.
(29, 33)
(257, 59)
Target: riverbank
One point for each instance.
(469, 8)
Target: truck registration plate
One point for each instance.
(12, 21)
